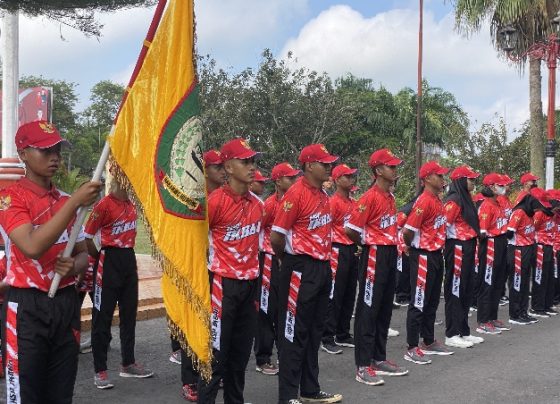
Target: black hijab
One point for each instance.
(529, 204)
(459, 193)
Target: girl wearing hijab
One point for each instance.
(462, 231)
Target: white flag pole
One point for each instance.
(81, 217)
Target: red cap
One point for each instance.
(528, 177)
(541, 196)
(259, 177)
(507, 179)
(342, 169)
(316, 152)
(463, 171)
(38, 134)
(432, 167)
(494, 178)
(553, 194)
(478, 197)
(212, 157)
(237, 149)
(383, 156)
(283, 170)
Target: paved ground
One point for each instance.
(520, 366)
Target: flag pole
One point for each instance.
(81, 217)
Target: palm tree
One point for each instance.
(531, 19)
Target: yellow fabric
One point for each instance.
(166, 75)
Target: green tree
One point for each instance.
(105, 98)
(532, 20)
(78, 14)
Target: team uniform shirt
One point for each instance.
(375, 217)
(341, 209)
(427, 221)
(556, 232)
(304, 217)
(492, 218)
(505, 204)
(401, 221)
(234, 228)
(270, 206)
(115, 220)
(457, 227)
(523, 227)
(520, 196)
(28, 203)
(545, 228)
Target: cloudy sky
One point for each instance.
(373, 39)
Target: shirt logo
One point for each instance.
(387, 221)
(529, 229)
(317, 220)
(361, 208)
(5, 202)
(440, 221)
(121, 227)
(419, 211)
(238, 232)
(287, 206)
(501, 222)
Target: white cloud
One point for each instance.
(384, 48)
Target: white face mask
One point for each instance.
(500, 190)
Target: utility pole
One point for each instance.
(10, 82)
(419, 98)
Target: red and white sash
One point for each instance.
(489, 262)
(12, 355)
(265, 285)
(517, 270)
(216, 317)
(476, 262)
(458, 262)
(421, 282)
(370, 275)
(98, 286)
(334, 268)
(295, 282)
(539, 265)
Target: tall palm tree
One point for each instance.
(531, 19)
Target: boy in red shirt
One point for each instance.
(521, 258)
(528, 181)
(116, 281)
(462, 231)
(424, 233)
(213, 170)
(301, 239)
(257, 186)
(492, 255)
(42, 335)
(344, 265)
(284, 176)
(234, 217)
(373, 223)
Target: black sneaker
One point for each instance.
(538, 313)
(530, 319)
(519, 321)
(322, 397)
(551, 312)
(330, 348)
(347, 342)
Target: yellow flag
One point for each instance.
(157, 145)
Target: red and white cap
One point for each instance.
(316, 153)
(38, 134)
(383, 157)
(478, 197)
(528, 177)
(432, 167)
(237, 149)
(542, 196)
(463, 171)
(507, 179)
(259, 177)
(284, 169)
(342, 169)
(494, 178)
(212, 157)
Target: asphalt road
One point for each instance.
(519, 366)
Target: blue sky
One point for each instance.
(375, 39)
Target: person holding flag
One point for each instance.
(459, 254)
(41, 357)
(424, 233)
(284, 176)
(301, 239)
(344, 265)
(373, 223)
(234, 215)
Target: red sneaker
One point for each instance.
(190, 393)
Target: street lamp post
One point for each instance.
(548, 50)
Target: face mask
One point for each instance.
(534, 185)
(500, 190)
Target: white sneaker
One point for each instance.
(473, 338)
(393, 333)
(458, 342)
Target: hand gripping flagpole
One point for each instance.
(81, 217)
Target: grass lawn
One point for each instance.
(143, 245)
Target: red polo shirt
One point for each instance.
(341, 208)
(375, 217)
(492, 217)
(234, 226)
(524, 228)
(26, 202)
(545, 228)
(304, 217)
(505, 204)
(116, 220)
(270, 206)
(427, 221)
(457, 228)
